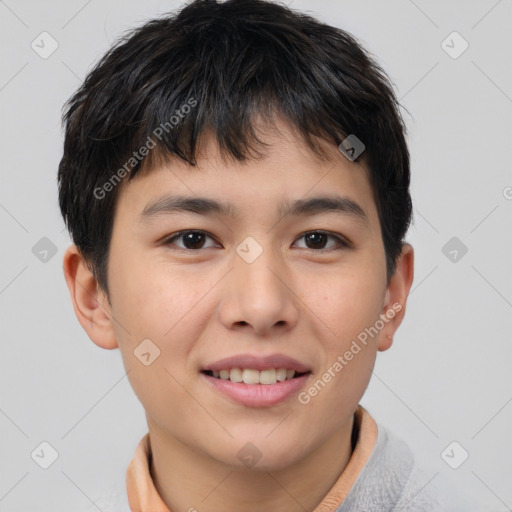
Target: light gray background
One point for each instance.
(446, 378)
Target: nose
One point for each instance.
(259, 295)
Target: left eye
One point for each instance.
(194, 240)
(317, 238)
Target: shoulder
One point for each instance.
(391, 482)
(111, 499)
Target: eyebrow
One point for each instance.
(206, 206)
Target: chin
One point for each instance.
(266, 464)
(261, 454)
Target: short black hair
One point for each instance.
(216, 67)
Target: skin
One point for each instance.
(202, 304)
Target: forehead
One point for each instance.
(289, 179)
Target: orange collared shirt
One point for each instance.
(143, 496)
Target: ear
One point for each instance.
(397, 291)
(90, 303)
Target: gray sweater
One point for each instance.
(389, 482)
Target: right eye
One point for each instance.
(193, 240)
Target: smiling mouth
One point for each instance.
(252, 377)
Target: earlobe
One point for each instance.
(395, 299)
(89, 302)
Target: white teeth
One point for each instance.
(268, 376)
(281, 374)
(250, 376)
(235, 375)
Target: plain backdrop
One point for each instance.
(447, 377)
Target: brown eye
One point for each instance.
(317, 240)
(192, 240)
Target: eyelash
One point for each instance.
(342, 243)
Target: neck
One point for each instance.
(189, 480)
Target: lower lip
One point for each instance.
(258, 395)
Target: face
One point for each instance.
(253, 280)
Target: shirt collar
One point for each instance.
(143, 496)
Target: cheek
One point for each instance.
(348, 305)
(155, 305)
(156, 297)
(338, 388)
(169, 306)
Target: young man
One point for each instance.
(235, 180)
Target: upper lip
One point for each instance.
(258, 363)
